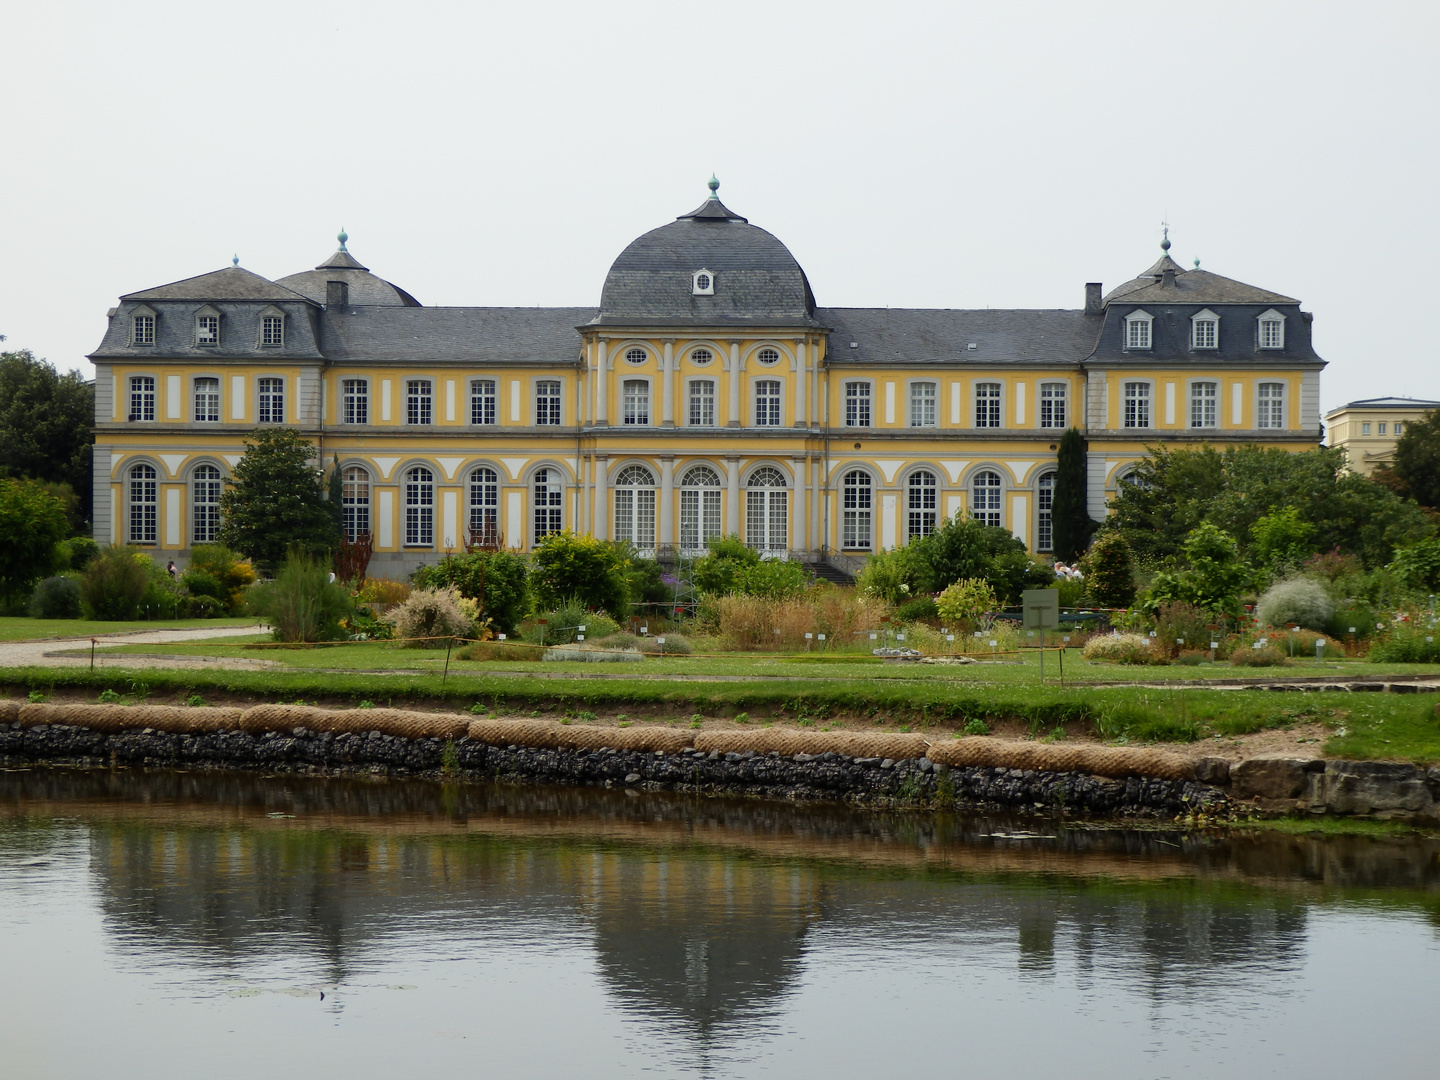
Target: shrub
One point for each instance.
(1418, 566)
(498, 581)
(715, 573)
(962, 603)
(113, 585)
(1175, 621)
(921, 609)
(889, 575)
(1264, 656)
(501, 650)
(1406, 644)
(32, 525)
(1072, 593)
(1109, 569)
(1299, 600)
(560, 625)
(966, 548)
(302, 603)
(773, 579)
(673, 645)
(1213, 577)
(382, 591)
(1123, 649)
(80, 550)
(568, 566)
(233, 574)
(56, 598)
(433, 618)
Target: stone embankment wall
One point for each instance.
(874, 768)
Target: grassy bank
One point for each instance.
(1356, 726)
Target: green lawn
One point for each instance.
(21, 629)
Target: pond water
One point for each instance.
(174, 925)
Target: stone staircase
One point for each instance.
(826, 572)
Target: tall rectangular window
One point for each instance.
(207, 400)
(207, 330)
(547, 403)
(857, 404)
(1202, 404)
(355, 502)
(205, 490)
(270, 406)
(355, 401)
(419, 402)
(702, 403)
(142, 397)
(482, 401)
(272, 331)
(1137, 405)
(1052, 405)
(1270, 412)
(549, 497)
(987, 405)
(767, 403)
(635, 394)
(922, 404)
(1045, 513)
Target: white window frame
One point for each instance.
(1143, 403)
(270, 401)
(1139, 333)
(272, 330)
(857, 510)
(1271, 406)
(772, 412)
(767, 511)
(992, 404)
(634, 498)
(549, 407)
(355, 401)
(1270, 330)
(143, 326)
(484, 402)
(205, 491)
(419, 498)
(1205, 330)
(1045, 510)
(701, 507)
(207, 328)
(696, 404)
(858, 402)
(142, 500)
(922, 504)
(768, 356)
(547, 494)
(483, 504)
(924, 397)
(1204, 412)
(142, 398)
(1053, 394)
(1365, 427)
(635, 402)
(356, 484)
(701, 356)
(702, 282)
(419, 402)
(636, 355)
(987, 514)
(213, 396)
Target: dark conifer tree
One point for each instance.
(1070, 521)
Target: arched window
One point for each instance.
(635, 506)
(419, 507)
(767, 511)
(699, 509)
(485, 507)
(985, 498)
(857, 512)
(1044, 504)
(549, 492)
(921, 500)
(144, 502)
(355, 501)
(205, 503)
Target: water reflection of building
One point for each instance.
(702, 916)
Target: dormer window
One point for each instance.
(1137, 330)
(207, 326)
(1272, 330)
(1205, 330)
(142, 327)
(703, 283)
(272, 328)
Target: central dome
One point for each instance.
(748, 275)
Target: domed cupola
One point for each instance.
(362, 288)
(708, 267)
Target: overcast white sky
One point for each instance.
(953, 154)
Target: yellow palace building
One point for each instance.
(707, 394)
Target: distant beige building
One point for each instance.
(1369, 429)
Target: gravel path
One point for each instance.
(67, 653)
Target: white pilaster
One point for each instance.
(602, 363)
(802, 380)
(667, 386)
(666, 536)
(800, 512)
(734, 420)
(602, 499)
(732, 501)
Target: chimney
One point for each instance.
(1167, 279)
(337, 294)
(1092, 298)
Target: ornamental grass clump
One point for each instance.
(302, 604)
(1123, 649)
(1302, 601)
(433, 619)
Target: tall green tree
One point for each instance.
(1069, 516)
(566, 566)
(46, 424)
(1415, 472)
(276, 501)
(966, 548)
(32, 524)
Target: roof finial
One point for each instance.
(234, 260)
(1197, 262)
(344, 236)
(714, 186)
(1165, 242)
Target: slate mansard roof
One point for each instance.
(999, 335)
